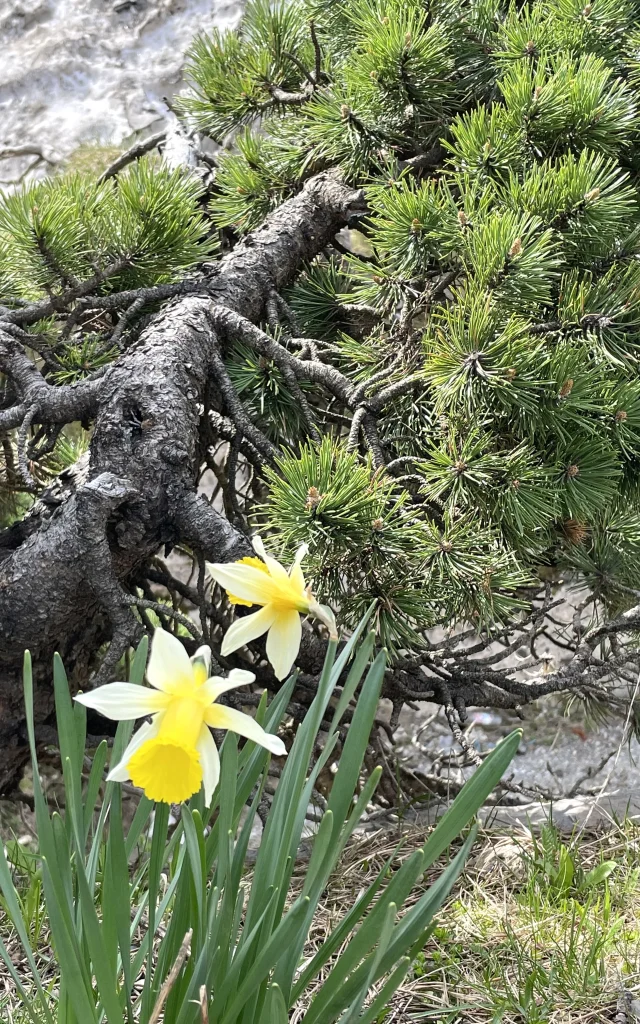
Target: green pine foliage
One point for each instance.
(266, 395)
(58, 232)
(516, 252)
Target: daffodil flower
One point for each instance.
(170, 757)
(283, 596)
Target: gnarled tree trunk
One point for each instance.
(62, 568)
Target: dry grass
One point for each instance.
(512, 944)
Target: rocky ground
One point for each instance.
(77, 71)
(569, 769)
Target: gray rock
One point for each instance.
(77, 70)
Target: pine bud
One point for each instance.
(409, 110)
(385, 21)
(536, 92)
(313, 498)
(463, 220)
(416, 225)
(575, 531)
(515, 484)
(530, 46)
(516, 248)
(620, 416)
(486, 149)
(345, 112)
(407, 39)
(566, 388)
(377, 279)
(373, 75)
(586, 10)
(460, 467)
(589, 197)
(446, 546)
(511, 373)
(377, 525)
(572, 471)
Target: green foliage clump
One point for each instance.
(116, 934)
(141, 228)
(497, 147)
(368, 543)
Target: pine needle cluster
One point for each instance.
(497, 146)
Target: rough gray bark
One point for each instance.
(61, 569)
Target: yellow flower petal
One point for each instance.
(166, 770)
(201, 665)
(283, 642)
(246, 629)
(169, 668)
(120, 772)
(296, 576)
(277, 571)
(220, 717)
(124, 701)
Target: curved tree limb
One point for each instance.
(63, 570)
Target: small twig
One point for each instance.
(136, 151)
(163, 609)
(318, 52)
(356, 424)
(300, 66)
(172, 977)
(237, 411)
(292, 99)
(126, 318)
(27, 150)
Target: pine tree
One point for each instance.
(441, 398)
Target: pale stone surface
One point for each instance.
(74, 71)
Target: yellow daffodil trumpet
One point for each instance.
(283, 597)
(174, 754)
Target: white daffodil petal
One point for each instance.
(217, 685)
(243, 581)
(297, 577)
(220, 717)
(123, 701)
(246, 629)
(325, 614)
(301, 553)
(210, 761)
(147, 731)
(203, 654)
(201, 666)
(169, 668)
(276, 570)
(283, 642)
